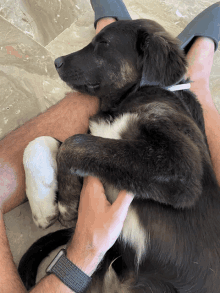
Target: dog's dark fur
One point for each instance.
(162, 157)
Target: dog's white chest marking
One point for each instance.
(132, 233)
(111, 130)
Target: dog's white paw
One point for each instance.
(41, 179)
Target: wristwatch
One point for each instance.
(69, 273)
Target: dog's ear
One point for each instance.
(160, 57)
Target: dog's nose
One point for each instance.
(58, 62)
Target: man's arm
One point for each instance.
(10, 281)
(70, 116)
(86, 260)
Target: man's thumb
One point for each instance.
(122, 203)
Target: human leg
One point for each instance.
(200, 60)
(200, 40)
(104, 22)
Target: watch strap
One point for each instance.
(69, 273)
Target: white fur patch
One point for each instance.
(132, 233)
(41, 179)
(62, 209)
(111, 130)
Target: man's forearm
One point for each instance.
(10, 281)
(85, 260)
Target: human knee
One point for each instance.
(8, 181)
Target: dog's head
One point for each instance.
(119, 57)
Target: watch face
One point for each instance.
(54, 261)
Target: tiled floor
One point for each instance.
(32, 34)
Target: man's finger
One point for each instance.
(92, 186)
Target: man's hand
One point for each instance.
(99, 224)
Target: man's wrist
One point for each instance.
(86, 260)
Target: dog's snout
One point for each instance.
(58, 62)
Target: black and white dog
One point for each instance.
(146, 139)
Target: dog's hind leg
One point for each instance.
(41, 184)
(69, 186)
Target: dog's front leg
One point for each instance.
(115, 161)
(147, 169)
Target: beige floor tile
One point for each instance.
(43, 20)
(29, 82)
